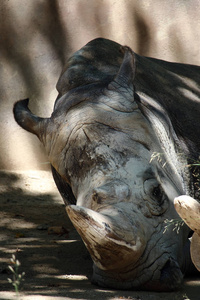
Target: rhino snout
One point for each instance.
(113, 242)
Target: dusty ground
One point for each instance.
(57, 266)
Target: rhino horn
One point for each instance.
(189, 210)
(27, 120)
(110, 247)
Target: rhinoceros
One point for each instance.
(121, 141)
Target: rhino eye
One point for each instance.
(155, 197)
(157, 192)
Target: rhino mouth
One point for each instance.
(170, 279)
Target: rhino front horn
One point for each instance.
(27, 120)
(111, 243)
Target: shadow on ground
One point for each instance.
(55, 261)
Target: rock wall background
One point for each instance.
(37, 37)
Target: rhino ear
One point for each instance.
(27, 120)
(126, 74)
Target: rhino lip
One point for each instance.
(171, 278)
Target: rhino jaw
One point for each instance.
(106, 239)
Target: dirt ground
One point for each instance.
(35, 227)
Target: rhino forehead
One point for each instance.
(79, 132)
(107, 151)
(97, 119)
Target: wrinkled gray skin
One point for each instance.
(115, 111)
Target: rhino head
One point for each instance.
(118, 163)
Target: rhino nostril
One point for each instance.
(171, 276)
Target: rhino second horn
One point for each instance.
(189, 210)
(108, 249)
